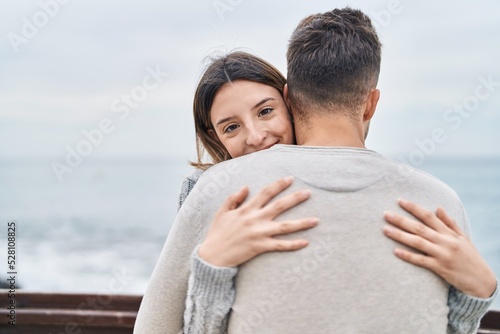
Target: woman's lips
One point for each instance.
(269, 146)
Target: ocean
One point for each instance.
(103, 227)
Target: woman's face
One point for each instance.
(248, 116)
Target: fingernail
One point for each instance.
(306, 193)
(402, 201)
(387, 229)
(288, 178)
(314, 221)
(388, 214)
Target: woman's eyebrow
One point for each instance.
(224, 120)
(263, 101)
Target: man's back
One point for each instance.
(347, 279)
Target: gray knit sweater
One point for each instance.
(211, 293)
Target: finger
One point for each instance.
(416, 259)
(280, 245)
(450, 222)
(425, 216)
(289, 201)
(411, 226)
(235, 200)
(290, 226)
(269, 192)
(411, 240)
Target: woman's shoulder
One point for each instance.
(188, 185)
(194, 175)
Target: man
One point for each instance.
(347, 280)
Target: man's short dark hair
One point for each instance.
(333, 61)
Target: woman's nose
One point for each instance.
(256, 136)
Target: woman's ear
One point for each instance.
(212, 133)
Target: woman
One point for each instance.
(239, 109)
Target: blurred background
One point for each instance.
(96, 127)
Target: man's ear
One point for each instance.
(285, 95)
(371, 104)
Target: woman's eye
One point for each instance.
(230, 128)
(265, 111)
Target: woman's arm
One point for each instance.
(448, 252)
(240, 231)
(211, 290)
(466, 311)
(210, 297)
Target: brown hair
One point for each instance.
(226, 69)
(333, 61)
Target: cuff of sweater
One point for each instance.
(469, 307)
(211, 282)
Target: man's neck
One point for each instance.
(330, 131)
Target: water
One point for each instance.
(106, 217)
(102, 229)
(477, 182)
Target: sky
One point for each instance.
(117, 78)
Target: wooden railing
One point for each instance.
(490, 324)
(64, 313)
(58, 313)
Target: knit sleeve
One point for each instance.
(188, 185)
(466, 311)
(210, 297)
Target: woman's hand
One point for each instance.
(447, 251)
(240, 232)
